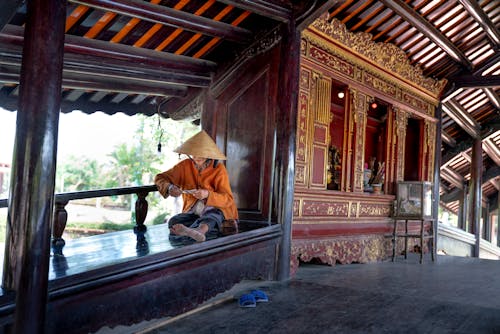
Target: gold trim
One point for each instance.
(386, 55)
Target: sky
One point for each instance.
(91, 135)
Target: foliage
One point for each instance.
(160, 219)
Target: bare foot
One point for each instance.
(180, 229)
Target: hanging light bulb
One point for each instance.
(374, 105)
(341, 95)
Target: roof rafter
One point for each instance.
(426, 28)
(473, 8)
(13, 35)
(264, 8)
(492, 150)
(110, 68)
(490, 93)
(462, 118)
(455, 194)
(477, 81)
(167, 16)
(453, 177)
(448, 139)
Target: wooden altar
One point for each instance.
(364, 111)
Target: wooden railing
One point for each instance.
(61, 215)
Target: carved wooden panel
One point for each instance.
(400, 130)
(359, 109)
(321, 91)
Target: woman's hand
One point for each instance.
(200, 193)
(174, 191)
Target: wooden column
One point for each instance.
(475, 192)
(436, 177)
(498, 220)
(286, 141)
(486, 222)
(462, 209)
(27, 249)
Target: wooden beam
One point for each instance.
(427, 29)
(13, 35)
(473, 8)
(466, 144)
(170, 17)
(492, 150)
(462, 117)
(453, 177)
(306, 18)
(101, 83)
(448, 139)
(452, 196)
(493, 96)
(476, 81)
(113, 68)
(270, 9)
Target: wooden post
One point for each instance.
(486, 222)
(462, 210)
(437, 177)
(27, 248)
(286, 130)
(475, 192)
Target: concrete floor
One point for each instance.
(451, 295)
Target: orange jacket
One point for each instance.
(215, 180)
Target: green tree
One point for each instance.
(78, 174)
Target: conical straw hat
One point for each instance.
(201, 145)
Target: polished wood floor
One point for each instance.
(88, 253)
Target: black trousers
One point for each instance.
(212, 217)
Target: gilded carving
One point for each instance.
(332, 62)
(324, 208)
(344, 250)
(296, 205)
(430, 133)
(401, 124)
(300, 175)
(359, 112)
(374, 210)
(302, 127)
(305, 80)
(303, 47)
(387, 55)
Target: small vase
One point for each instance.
(377, 188)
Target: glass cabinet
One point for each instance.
(413, 200)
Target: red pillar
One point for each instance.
(27, 249)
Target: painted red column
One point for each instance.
(475, 192)
(31, 199)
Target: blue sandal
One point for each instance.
(247, 300)
(260, 296)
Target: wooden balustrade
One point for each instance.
(61, 215)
